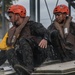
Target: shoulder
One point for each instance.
(72, 24)
(30, 22)
(34, 24)
(50, 26)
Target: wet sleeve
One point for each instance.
(40, 30)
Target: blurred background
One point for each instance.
(38, 10)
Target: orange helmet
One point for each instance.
(61, 8)
(17, 9)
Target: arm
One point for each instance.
(41, 31)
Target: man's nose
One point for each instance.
(56, 16)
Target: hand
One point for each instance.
(43, 43)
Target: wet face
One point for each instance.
(60, 17)
(13, 18)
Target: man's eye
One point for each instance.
(10, 16)
(59, 14)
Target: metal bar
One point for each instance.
(38, 10)
(3, 18)
(48, 11)
(32, 10)
(69, 5)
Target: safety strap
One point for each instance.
(63, 28)
(14, 32)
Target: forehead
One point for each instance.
(58, 13)
(10, 14)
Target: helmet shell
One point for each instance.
(17, 9)
(62, 9)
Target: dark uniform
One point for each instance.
(26, 51)
(63, 49)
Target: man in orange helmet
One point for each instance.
(62, 34)
(28, 41)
